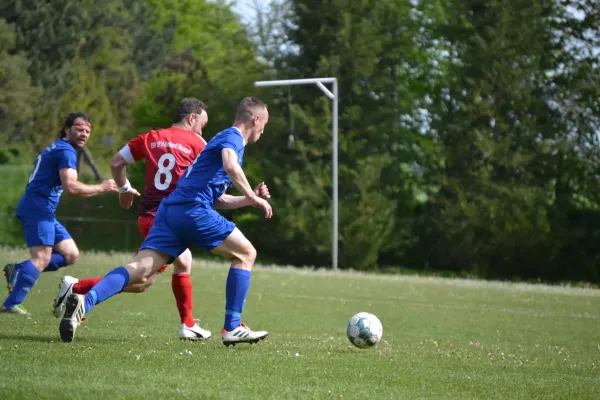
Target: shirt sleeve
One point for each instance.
(137, 147)
(67, 159)
(233, 141)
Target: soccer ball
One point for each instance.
(364, 330)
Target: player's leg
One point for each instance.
(142, 287)
(180, 280)
(25, 277)
(145, 223)
(182, 287)
(182, 290)
(65, 251)
(160, 247)
(39, 235)
(238, 249)
(208, 229)
(145, 264)
(82, 286)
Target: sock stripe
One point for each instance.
(233, 313)
(93, 295)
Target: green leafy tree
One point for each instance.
(19, 98)
(379, 56)
(516, 155)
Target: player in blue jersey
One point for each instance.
(188, 217)
(50, 245)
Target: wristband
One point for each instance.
(125, 188)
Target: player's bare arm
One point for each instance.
(238, 178)
(71, 186)
(118, 169)
(230, 202)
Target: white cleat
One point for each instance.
(74, 313)
(242, 334)
(65, 288)
(194, 333)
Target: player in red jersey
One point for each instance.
(168, 152)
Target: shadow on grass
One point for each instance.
(29, 337)
(45, 338)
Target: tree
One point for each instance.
(513, 150)
(210, 58)
(19, 98)
(378, 54)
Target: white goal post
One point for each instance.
(334, 158)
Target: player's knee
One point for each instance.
(141, 280)
(139, 288)
(182, 268)
(183, 263)
(41, 261)
(252, 255)
(248, 256)
(137, 274)
(72, 256)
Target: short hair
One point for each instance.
(70, 120)
(187, 106)
(248, 107)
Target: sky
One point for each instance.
(245, 8)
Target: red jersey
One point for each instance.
(168, 153)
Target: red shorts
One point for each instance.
(145, 222)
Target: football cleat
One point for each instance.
(10, 273)
(74, 312)
(242, 334)
(18, 310)
(65, 288)
(194, 333)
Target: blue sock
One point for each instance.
(56, 261)
(26, 278)
(114, 282)
(236, 290)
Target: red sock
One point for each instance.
(85, 285)
(182, 289)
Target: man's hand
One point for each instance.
(126, 194)
(258, 202)
(126, 199)
(109, 186)
(262, 191)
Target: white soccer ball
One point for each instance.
(364, 330)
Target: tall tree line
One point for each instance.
(468, 129)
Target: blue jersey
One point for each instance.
(205, 179)
(44, 188)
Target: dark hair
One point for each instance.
(248, 107)
(187, 106)
(70, 120)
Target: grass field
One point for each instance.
(443, 339)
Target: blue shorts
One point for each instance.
(179, 226)
(43, 231)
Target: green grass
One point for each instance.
(443, 339)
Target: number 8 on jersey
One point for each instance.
(168, 152)
(163, 177)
